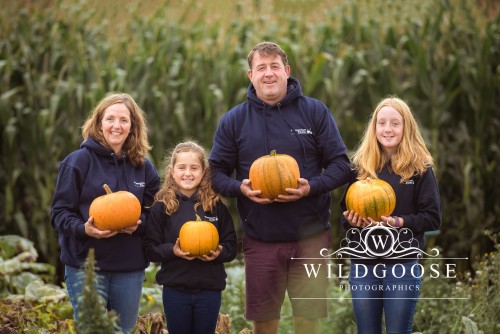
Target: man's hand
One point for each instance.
(247, 190)
(295, 194)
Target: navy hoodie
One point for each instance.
(299, 126)
(162, 233)
(80, 180)
(417, 202)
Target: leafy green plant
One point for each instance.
(93, 317)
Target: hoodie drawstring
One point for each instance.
(265, 133)
(115, 159)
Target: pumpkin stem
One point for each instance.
(273, 152)
(198, 219)
(107, 188)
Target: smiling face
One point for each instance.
(389, 129)
(115, 126)
(187, 172)
(269, 77)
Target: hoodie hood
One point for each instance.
(118, 164)
(93, 145)
(294, 90)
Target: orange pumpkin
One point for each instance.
(371, 198)
(115, 210)
(271, 174)
(198, 237)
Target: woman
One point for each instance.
(113, 153)
(393, 150)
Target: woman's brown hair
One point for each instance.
(136, 145)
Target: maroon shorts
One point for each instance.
(273, 269)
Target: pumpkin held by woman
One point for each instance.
(272, 173)
(371, 198)
(115, 210)
(198, 237)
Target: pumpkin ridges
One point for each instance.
(271, 174)
(371, 198)
(198, 237)
(374, 203)
(115, 210)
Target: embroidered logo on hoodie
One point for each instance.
(303, 131)
(139, 184)
(211, 219)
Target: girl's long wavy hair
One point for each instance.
(136, 145)
(169, 190)
(412, 156)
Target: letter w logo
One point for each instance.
(380, 242)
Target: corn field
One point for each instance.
(185, 64)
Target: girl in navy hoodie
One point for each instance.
(192, 285)
(113, 153)
(393, 150)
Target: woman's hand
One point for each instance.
(94, 232)
(355, 220)
(178, 252)
(131, 229)
(212, 256)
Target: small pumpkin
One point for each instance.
(198, 237)
(115, 210)
(371, 198)
(272, 173)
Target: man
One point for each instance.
(281, 236)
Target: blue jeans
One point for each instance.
(389, 289)
(121, 292)
(191, 312)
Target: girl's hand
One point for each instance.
(178, 252)
(94, 232)
(391, 221)
(212, 256)
(355, 220)
(131, 229)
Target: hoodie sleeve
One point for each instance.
(151, 188)
(156, 248)
(427, 203)
(223, 160)
(227, 235)
(64, 213)
(335, 161)
(342, 203)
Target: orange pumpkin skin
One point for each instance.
(198, 237)
(115, 210)
(272, 173)
(371, 198)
